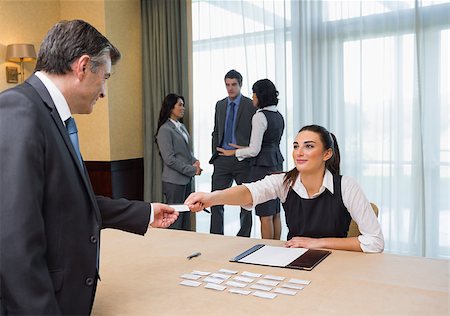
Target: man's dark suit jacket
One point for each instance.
(242, 126)
(50, 217)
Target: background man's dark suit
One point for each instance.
(52, 269)
(227, 169)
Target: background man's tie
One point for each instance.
(229, 124)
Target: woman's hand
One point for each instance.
(197, 201)
(304, 242)
(225, 152)
(235, 146)
(198, 170)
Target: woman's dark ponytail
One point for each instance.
(333, 164)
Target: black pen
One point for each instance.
(193, 255)
(206, 211)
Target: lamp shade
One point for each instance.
(20, 53)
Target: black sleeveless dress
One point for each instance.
(323, 216)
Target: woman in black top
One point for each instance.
(319, 203)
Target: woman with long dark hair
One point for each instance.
(179, 163)
(319, 203)
(264, 151)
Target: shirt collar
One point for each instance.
(176, 123)
(60, 102)
(272, 108)
(236, 101)
(327, 183)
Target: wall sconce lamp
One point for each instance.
(19, 53)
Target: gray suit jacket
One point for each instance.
(176, 154)
(50, 219)
(242, 127)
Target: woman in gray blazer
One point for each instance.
(179, 163)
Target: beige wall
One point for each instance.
(114, 130)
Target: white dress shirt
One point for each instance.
(259, 127)
(58, 98)
(371, 238)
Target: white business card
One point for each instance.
(220, 276)
(274, 277)
(190, 283)
(203, 273)
(235, 284)
(228, 271)
(180, 208)
(244, 279)
(299, 281)
(293, 286)
(239, 291)
(216, 287)
(190, 276)
(268, 282)
(213, 280)
(264, 294)
(281, 290)
(261, 287)
(251, 274)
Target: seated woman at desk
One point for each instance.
(318, 202)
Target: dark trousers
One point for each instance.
(270, 207)
(176, 194)
(227, 169)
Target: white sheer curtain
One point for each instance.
(376, 73)
(253, 38)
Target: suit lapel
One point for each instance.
(37, 84)
(172, 125)
(222, 118)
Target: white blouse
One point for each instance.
(371, 238)
(259, 127)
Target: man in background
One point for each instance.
(232, 125)
(50, 219)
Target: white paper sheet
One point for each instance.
(274, 256)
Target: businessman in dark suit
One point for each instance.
(232, 125)
(50, 218)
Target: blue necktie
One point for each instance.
(229, 124)
(73, 134)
